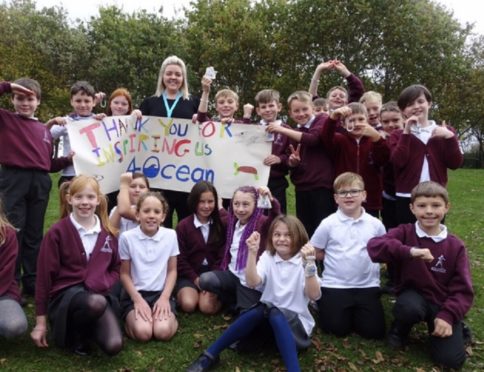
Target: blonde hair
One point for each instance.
(160, 86)
(371, 96)
(338, 87)
(4, 224)
(79, 183)
(347, 179)
(226, 93)
(299, 95)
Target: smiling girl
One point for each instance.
(287, 272)
(148, 272)
(77, 266)
(201, 238)
(244, 218)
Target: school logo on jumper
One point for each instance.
(439, 266)
(46, 136)
(106, 248)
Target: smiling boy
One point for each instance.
(433, 281)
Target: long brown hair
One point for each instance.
(79, 183)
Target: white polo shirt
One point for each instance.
(88, 236)
(149, 256)
(283, 282)
(346, 260)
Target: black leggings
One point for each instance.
(91, 317)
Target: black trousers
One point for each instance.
(313, 206)
(278, 188)
(346, 310)
(25, 194)
(403, 212)
(411, 308)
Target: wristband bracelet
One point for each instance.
(310, 270)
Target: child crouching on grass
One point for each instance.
(148, 272)
(433, 280)
(287, 272)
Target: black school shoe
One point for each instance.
(203, 363)
(395, 339)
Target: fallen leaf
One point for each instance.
(353, 367)
(378, 358)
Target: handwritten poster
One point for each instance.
(173, 153)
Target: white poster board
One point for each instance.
(173, 153)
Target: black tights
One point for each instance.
(90, 316)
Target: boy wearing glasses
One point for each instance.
(350, 283)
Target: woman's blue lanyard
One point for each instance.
(169, 109)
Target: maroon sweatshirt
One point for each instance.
(362, 156)
(62, 263)
(316, 168)
(446, 281)
(279, 148)
(26, 143)
(8, 259)
(355, 88)
(193, 249)
(407, 156)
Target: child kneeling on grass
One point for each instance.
(433, 280)
(287, 272)
(148, 272)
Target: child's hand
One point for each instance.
(442, 131)
(341, 113)
(325, 66)
(162, 309)
(39, 335)
(58, 120)
(98, 98)
(206, 84)
(368, 131)
(126, 178)
(308, 255)
(272, 159)
(341, 68)
(19, 89)
(442, 328)
(264, 190)
(143, 310)
(248, 108)
(308, 252)
(99, 117)
(253, 242)
(137, 113)
(422, 254)
(274, 128)
(70, 155)
(295, 157)
(409, 122)
(226, 120)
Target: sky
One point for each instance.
(469, 11)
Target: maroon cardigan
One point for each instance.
(407, 156)
(62, 263)
(8, 259)
(193, 249)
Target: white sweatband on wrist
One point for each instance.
(310, 269)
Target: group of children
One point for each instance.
(349, 161)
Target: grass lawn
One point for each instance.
(328, 353)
